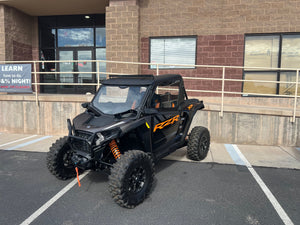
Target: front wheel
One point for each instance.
(59, 160)
(198, 143)
(131, 178)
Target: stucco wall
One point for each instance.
(20, 114)
(245, 128)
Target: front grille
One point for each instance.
(83, 134)
(81, 143)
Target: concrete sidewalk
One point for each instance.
(264, 156)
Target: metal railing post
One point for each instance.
(222, 94)
(98, 74)
(36, 83)
(157, 73)
(296, 95)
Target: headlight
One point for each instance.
(107, 135)
(100, 138)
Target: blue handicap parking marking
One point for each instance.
(233, 154)
(27, 143)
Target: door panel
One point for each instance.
(165, 128)
(166, 122)
(84, 66)
(66, 77)
(81, 66)
(66, 67)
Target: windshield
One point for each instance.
(118, 99)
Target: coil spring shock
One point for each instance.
(114, 149)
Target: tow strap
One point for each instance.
(77, 174)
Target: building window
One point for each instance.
(100, 37)
(267, 53)
(101, 50)
(74, 37)
(101, 55)
(173, 50)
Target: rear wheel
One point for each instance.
(131, 178)
(59, 160)
(198, 143)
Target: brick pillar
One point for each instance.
(18, 34)
(2, 35)
(35, 39)
(122, 35)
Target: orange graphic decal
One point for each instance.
(190, 106)
(166, 123)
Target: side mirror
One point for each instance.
(85, 105)
(150, 111)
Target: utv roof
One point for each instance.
(141, 80)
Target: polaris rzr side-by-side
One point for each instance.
(131, 123)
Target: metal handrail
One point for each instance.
(223, 79)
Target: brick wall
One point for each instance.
(226, 50)
(21, 51)
(122, 32)
(212, 17)
(2, 35)
(18, 35)
(220, 26)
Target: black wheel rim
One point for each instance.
(203, 145)
(67, 159)
(137, 180)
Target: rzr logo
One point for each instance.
(166, 123)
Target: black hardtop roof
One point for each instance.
(140, 80)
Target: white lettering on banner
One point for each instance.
(20, 81)
(11, 68)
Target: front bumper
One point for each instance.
(85, 154)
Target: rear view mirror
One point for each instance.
(85, 105)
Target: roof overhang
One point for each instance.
(58, 7)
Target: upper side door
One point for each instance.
(166, 122)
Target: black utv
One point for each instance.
(131, 123)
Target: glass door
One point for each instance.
(84, 68)
(65, 67)
(81, 68)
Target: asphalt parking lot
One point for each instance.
(183, 193)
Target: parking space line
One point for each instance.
(27, 143)
(44, 207)
(233, 154)
(280, 211)
(22, 139)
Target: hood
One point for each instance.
(94, 124)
